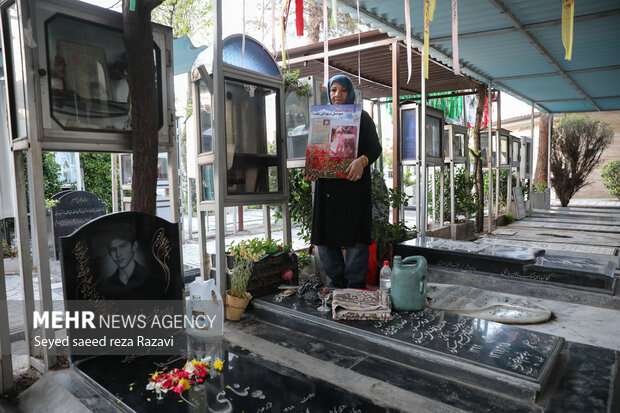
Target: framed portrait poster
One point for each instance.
(332, 139)
(86, 70)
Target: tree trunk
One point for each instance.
(314, 21)
(138, 37)
(543, 148)
(478, 178)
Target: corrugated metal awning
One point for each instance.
(518, 46)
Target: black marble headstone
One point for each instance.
(519, 202)
(74, 209)
(94, 258)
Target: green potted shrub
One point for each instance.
(541, 196)
(237, 298)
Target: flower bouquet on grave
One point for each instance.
(178, 380)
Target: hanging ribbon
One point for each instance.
(132, 5)
(408, 28)
(568, 15)
(455, 39)
(334, 11)
(325, 47)
(285, 10)
(429, 13)
(359, 42)
(273, 27)
(299, 17)
(243, 37)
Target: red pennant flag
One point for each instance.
(299, 16)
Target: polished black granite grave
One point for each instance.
(247, 383)
(514, 261)
(514, 361)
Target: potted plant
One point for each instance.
(541, 196)
(237, 298)
(269, 260)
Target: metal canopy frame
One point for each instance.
(532, 29)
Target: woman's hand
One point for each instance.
(355, 169)
(308, 177)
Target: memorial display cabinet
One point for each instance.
(297, 109)
(410, 115)
(504, 148)
(163, 190)
(248, 165)
(526, 159)
(456, 152)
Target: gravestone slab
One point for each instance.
(247, 383)
(519, 202)
(460, 348)
(580, 250)
(565, 236)
(487, 305)
(498, 259)
(74, 209)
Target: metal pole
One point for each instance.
(396, 157)
(380, 133)
(6, 358)
(422, 122)
(490, 194)
(531, 155)
(549, 126)
(441, 193)
(114, 182)
(219, 142)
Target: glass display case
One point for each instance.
(410, 114)
(81, 80)
(455, 144)
(504, 144)
(253, 150)
(526, 159)
(515, 151)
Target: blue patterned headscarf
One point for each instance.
(345, 82)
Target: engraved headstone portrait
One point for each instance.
(123, 256)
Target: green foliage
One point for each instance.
(509, 216)
(8, 251)
(300, 204)
(539, 187)
(382, 229)
(303, 259)
(292, 84)
(503, 184)
(240, 276)
(186, 17)
(98, 175)
(576, 148)
(50, 203)
(51, 175)
(611, 177)
(256, 248)
(465, 200)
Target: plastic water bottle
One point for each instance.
(385, 276)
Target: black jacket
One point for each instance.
(342, 211)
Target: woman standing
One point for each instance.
(342, 212)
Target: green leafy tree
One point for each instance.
(51, 175)
(576, 148)
(611, 177)
(98, 175)
(186, 17)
